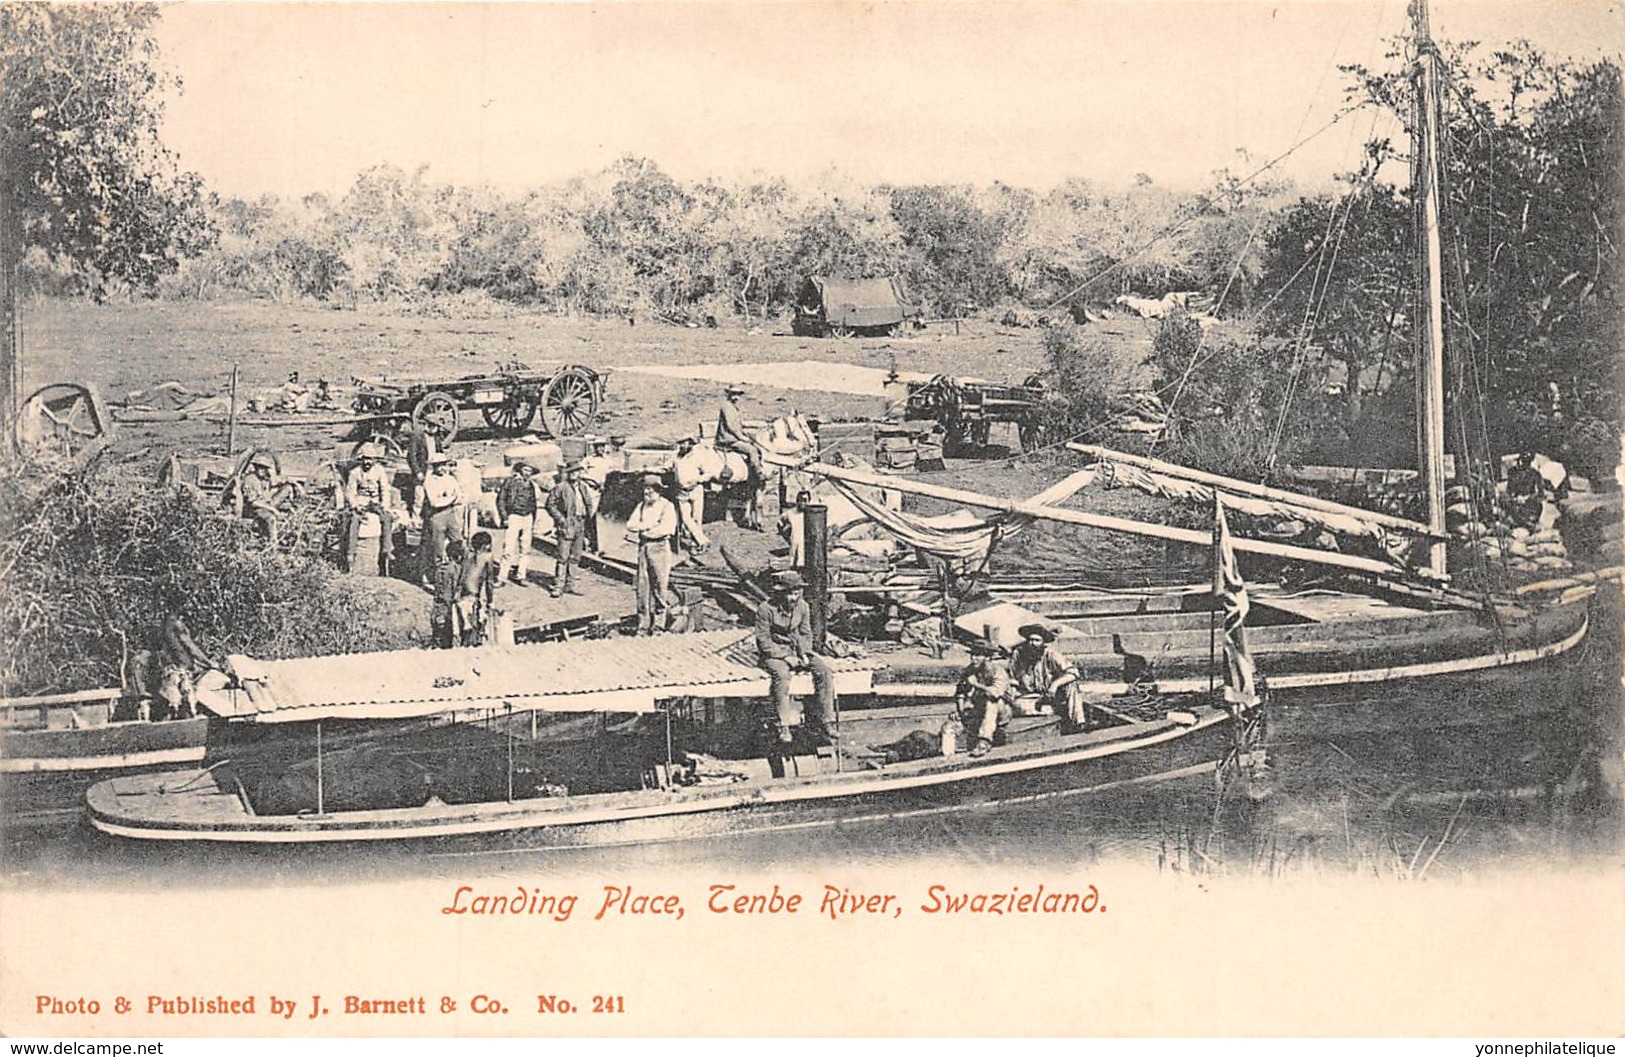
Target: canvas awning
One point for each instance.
(616, 674)
(861, 302)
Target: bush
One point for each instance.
(90, 561)
(1086, 376)
(1235, 406)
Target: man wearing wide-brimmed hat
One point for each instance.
(981, 698)
(784, 646)
(264, 499)
(595, 470)
(368, 494)
(440, 504)
(516, 509)
(651, 527)
(567, 506)
(732, 434)
(1042, 679)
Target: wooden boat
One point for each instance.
(52, 748)
(78, 731)
(611, 741)
(1391, 621)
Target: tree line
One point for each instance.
(633, 239)
(1319, 285)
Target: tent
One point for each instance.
(841, 306)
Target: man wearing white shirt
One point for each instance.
(651, 527)
(440, 505)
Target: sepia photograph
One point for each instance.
(743, 518)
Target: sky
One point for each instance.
(290, 99)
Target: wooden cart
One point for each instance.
(566, 398)
(967, 409)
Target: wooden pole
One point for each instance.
(816, 522)
(319, 798)
(1027, 508)
(231, 418)
(1425, 175)
(1230, 484)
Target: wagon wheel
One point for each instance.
(840, 330)
(64, 417)
(569, 403)
(437, 413)
(514, 414)
(391, 447)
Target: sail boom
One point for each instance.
(1231, 484)
(1026, 508)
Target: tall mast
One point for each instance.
(1425, 177)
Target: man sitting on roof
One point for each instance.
(784, 645)
(1042, 679)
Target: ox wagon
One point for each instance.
(566, 398)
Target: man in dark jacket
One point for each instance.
(784, 646)
(567, 505)
(420, 451)
(516, 507)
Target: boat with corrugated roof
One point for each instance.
(620, 740)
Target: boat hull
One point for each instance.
(1082, 765)
(44, 773)
(1356, 645)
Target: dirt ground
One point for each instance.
(121, 348)
(125, 347)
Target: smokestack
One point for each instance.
(816, 519)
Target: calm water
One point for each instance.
(1495, 772)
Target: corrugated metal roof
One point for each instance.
(615, 674)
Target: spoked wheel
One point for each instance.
(569, 403)
(437, 413)
(63, 417)
(513, 415)
(386, 442)
(837, 330)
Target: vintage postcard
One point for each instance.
(812, 519)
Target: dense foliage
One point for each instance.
(1532, 152)
(98, 197)
(91, 560)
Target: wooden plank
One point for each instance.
(69, 698)
(1231, 484)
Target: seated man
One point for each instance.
(982, 696)
(1043, 680)
(264, 499)
(732, 434)
(784, 645)
(368, 494)
(180, 659)
(1526, 491)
